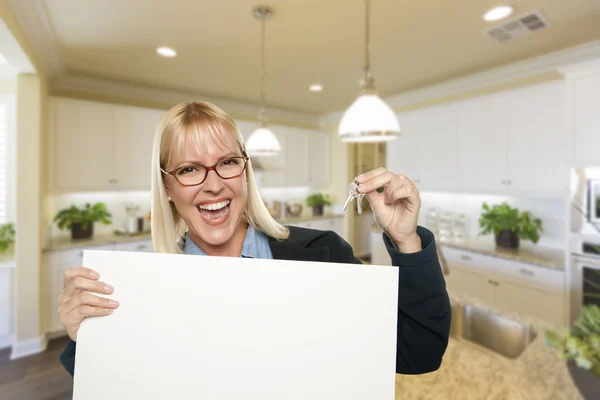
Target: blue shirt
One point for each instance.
(256, 245)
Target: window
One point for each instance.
(7, 159)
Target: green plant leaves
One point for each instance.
(501, 217)
(317, 199)
(7, 236)
(85, 216)
(582, 343)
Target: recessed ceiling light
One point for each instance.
(316, 87)
(498, 13)
(166, 52)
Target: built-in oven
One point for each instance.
(585, 274)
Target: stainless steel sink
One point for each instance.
(490, 331)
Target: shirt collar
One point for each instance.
(251, 247)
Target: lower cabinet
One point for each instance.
(325, 224)
(537, 292)
(6, 328)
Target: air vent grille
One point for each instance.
(518, 27)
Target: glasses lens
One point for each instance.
(191, 175)
(231, 167)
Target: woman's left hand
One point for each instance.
(396, 209)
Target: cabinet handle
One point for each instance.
(141, 246)
(466, 258)
(113, 181)
(503, 182)
(509, 182)
(491, 282)
(81, 254)
(526, 272)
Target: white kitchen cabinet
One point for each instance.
(537, 140)
(83, 143)
(100, 146)
(134, 136)
(582, 105)
(482, 146)
(318, 158)
(56, 262)
(144, 246)
(325, 224)
(402, 154)
(379, 253)
(515, 286)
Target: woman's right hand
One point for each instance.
(75, 303)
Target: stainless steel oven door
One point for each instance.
(585, 278)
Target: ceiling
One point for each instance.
(413, 44)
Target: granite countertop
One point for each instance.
(65, 242)
(546, 257)
(468, 372)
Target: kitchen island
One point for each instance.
(470, 372)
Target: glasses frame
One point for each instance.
(173, 172)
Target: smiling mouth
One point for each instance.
(214, 211)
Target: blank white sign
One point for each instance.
(198, 327)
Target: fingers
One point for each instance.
(376, 181)
(86, 299)
(367, 176)
(73, 318)
(83, 282)
(71, 273)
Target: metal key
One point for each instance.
(353, 194)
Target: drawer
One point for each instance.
(141, 246)
(466, 259)
(534, 275)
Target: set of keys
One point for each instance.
(353, 194)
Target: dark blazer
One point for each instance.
(423, 303)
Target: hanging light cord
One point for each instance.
(263, 118)
(368, 83)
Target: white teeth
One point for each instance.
(214, 206)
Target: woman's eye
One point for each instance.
(187, 170)
(230, 161)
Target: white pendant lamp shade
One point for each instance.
(369, 119)
(262, 142)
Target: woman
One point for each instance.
(205, 201)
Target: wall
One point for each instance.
(551, 212)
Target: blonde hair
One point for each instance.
(198, 121)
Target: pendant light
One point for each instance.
(262, 142)
(368, 119)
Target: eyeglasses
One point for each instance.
(192, 175)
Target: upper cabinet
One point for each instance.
(513, 142)
(583, 118)
(96, 146)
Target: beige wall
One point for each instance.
(30, 97)
(8, 87)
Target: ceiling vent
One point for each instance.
(518, 27)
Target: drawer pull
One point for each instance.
(141, 246)
(526, 272)
(466, 258)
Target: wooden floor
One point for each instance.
(37, 377)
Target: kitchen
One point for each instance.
(523, 134)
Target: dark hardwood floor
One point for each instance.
(37, 377)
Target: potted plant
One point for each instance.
(81, 220)
(508, 224)
(317, 201)
(7, 236)
(580, 347)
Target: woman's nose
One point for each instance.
(213, 182)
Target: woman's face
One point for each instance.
(212, 210)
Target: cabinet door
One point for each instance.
(537, 142)
(318, 158)
(402, 154)
(482, 144)
(438, 149)
(84, 145)
(5, 306)
(379, 253)
(296, 157)
(585, 103)
(544, 304)
(134, 137)
(471, 284)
